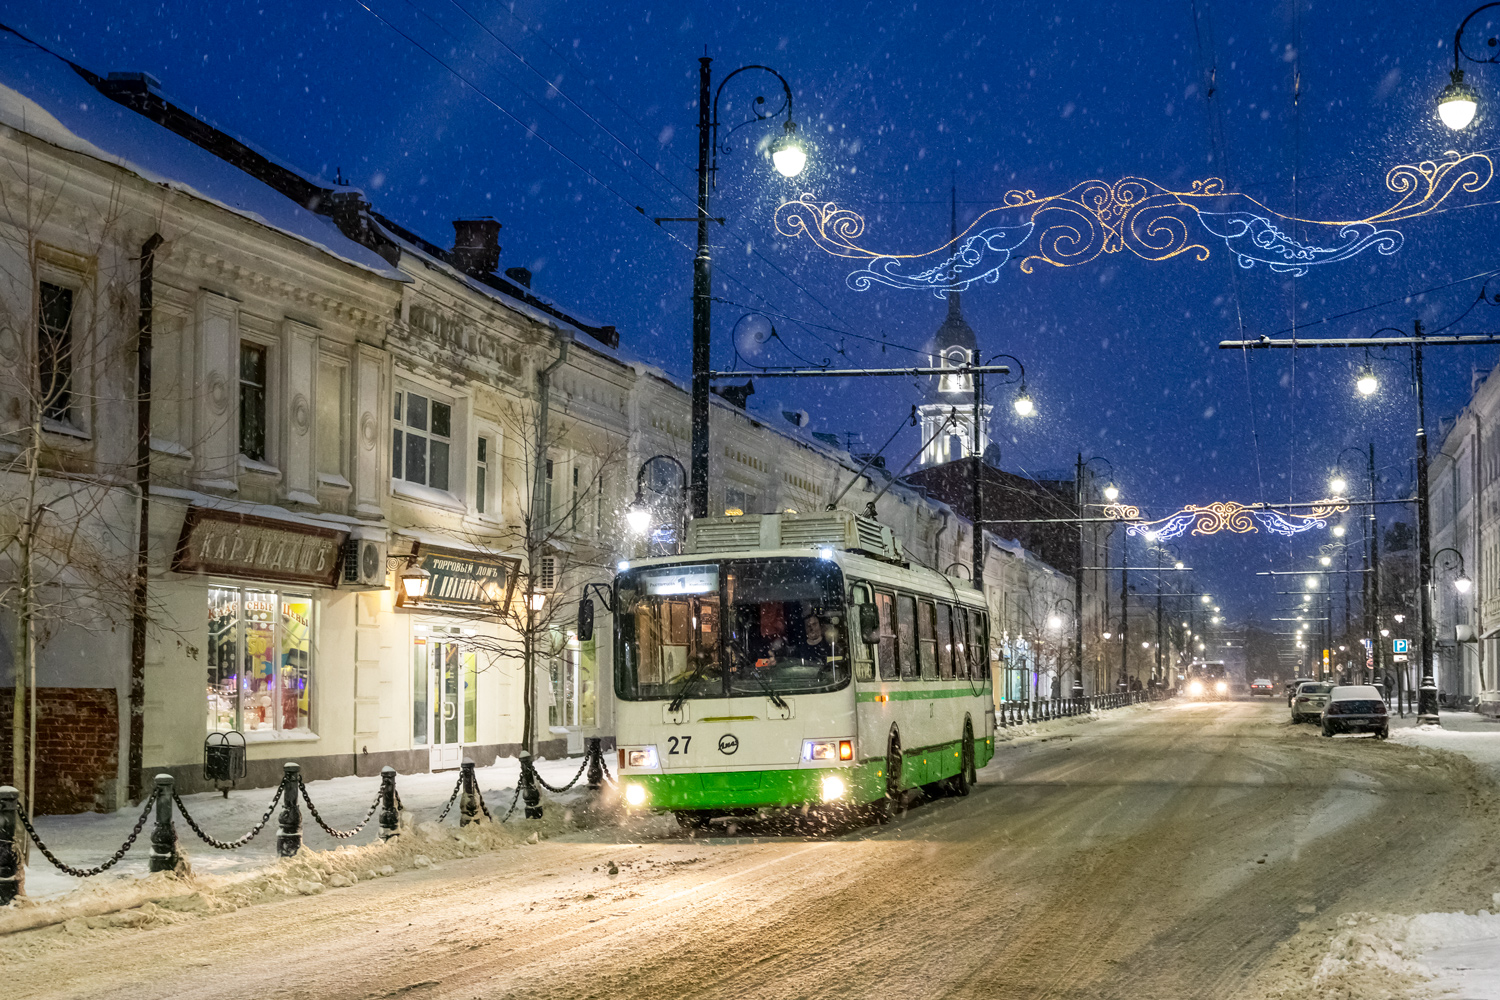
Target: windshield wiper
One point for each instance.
(687, 685)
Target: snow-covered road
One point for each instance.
(1170, 851)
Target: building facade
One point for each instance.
(379, 473)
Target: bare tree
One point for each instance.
(68, 503)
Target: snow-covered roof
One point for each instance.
(44, 96)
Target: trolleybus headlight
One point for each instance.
(635, 795)
(1221, 687)
(1195, 688)
(833, 788)
(820, 749)
(641, 757)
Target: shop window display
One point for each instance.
(259, 661)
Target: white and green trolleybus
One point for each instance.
(792, 660)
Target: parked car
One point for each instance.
(1309, 699)
(1293, 684)
(1356, 708)
(1262, 686)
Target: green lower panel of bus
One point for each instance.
(863, 782)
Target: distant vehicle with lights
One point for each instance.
(788, 661)
(1262, 686)
(1208, 681)
(1356, 708)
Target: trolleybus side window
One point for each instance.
(944, 642)
(906, 634)
(862, 643)
(960, 642)
(890, 666)
(927, 638)
(979, 646)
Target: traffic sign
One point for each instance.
(1400, 645)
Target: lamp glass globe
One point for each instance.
(788, 156)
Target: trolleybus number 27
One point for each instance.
(673, 741)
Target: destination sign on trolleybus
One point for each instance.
(668, 580)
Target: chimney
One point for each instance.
(476, 245)
(520, 275)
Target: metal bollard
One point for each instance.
(595, 751)
(289, 822)
(530, 793)
(468, 798)
(11, 883)
(389, 817)
(164, 834)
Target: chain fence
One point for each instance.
(114, 859)
(227, 845)
(164, 800)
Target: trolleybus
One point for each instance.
(792, 660)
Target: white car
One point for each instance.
(1308, 702)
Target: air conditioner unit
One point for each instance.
(364, 564)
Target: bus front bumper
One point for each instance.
(708, 790)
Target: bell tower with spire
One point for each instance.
(947, 413)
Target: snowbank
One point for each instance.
(1380, 955)
(220, 879)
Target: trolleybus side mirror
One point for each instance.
(585, 619)
(869, 622)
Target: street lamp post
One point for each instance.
(640, 515)
(788, 157)
(1079, 493)
(1427, 699)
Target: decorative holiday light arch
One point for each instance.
(1150, 220)
(1227, 515)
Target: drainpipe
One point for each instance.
(534, 535)
(135, 751)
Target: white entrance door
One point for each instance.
(451, 693)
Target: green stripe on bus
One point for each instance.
(906, 695)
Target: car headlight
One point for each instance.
(828, 750)
(833, 788)
(635, 795)
(639, 757)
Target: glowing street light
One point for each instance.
(1312, 583)
(1339, 485)
(1111, 493)
(1023, 405)
(1367, 383)
(787, 153)
(1458, 102)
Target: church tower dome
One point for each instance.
(947, 414)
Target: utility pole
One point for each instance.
(977, 488)
(1078, 494)
(1427, 698)
(1157, 676)
(702, 303)
(1125, 612)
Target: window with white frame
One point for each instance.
(422, 439)
(253, 374)
(54, 351)
(482, 475)
(333, 419)
(259, 661)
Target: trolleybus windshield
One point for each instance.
(784, 632)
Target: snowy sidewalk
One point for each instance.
(1457, 954)
(87, 839)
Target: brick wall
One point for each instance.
(78, 744)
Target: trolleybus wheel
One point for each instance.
(961, 782)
